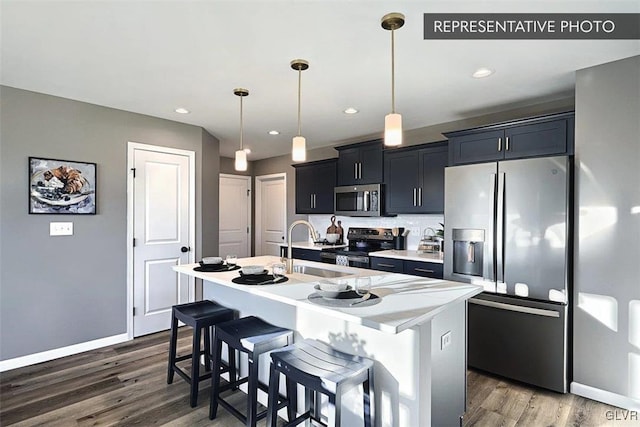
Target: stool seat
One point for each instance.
(204, 313)
(252, 336)
(200, 315)
(322, 369)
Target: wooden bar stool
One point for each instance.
(254, 337)
(199, 315)
(320, 369)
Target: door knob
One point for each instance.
(185, 249)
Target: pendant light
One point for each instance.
(241, 155)
(298, 148)
(393, 121)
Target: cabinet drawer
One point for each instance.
(424, 269)
(387, 264)
(306, 254)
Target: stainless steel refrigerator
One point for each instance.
(507, 228)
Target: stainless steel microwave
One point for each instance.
(358, 200)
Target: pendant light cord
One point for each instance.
(241, 122)
(393, 74)
(299, 92)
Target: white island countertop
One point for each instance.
(406, 300)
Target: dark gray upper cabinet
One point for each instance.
(534, 137)
(314, 186)
(414, 178)
(360, 163)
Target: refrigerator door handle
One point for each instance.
(489, 267)
(516, 308)
(500, 226)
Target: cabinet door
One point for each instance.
(304, 188)
(432, 164)
(401, 182)
(540, 139)
(478, 147)
(424, 269)
(324, 181)
(370, 164)
(348, 160)
(387, 264)
(306, 254)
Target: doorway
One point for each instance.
(161, 232)
(235, 217)
(271, 213)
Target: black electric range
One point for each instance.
(362, 241)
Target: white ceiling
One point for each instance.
(151, 57)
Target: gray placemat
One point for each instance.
(316, 298)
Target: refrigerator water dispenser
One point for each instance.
(468, 245)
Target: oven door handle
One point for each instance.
(328, 255)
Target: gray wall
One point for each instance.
(60, 291)
(608, 230)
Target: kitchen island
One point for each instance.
(416, 333)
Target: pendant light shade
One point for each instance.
(392, 129)
(393, 121)
(299, 143)
(299, 149)
(241, 160)
(241, 155)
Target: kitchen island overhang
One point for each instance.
(416, 334)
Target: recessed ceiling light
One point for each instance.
(247, 150)
(181, 110)
(274, 132)
(350, 110)
(482, 72)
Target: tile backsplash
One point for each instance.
(416, 223)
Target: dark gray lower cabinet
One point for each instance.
(424, 269)
(387, 264)
(299, 253)
(415, 268)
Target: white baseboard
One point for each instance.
(45, 356)
(604, 396)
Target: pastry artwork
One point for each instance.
(61, 187)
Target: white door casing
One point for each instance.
(161, 222)
(271, 213)
(235, 219)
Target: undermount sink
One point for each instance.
(313, 271)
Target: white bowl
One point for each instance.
(331, 294)
(332, 237)
(211, 260)
(252, 269)
(333, 286)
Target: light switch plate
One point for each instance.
(60, 229)
(445, 340)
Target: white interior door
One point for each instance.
(271, 213)
(235, 206)
(163, 234)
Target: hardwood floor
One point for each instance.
(125, 385)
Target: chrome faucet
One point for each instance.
(314, 235)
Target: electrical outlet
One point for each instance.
(445, 340)
(60, 229)
(416, 231)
